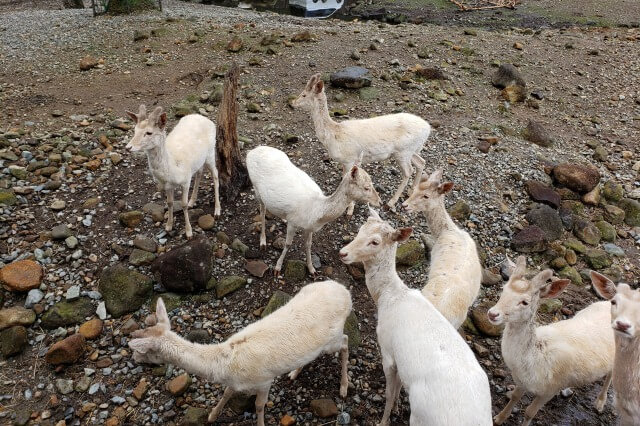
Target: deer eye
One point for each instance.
(149, 133)
(425, 196)
(613, 302)
(374, 243)
(524, 303)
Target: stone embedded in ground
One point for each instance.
(124, 290)
(514, 93)
(87, 63)
(324, 408)
(542, 193)
(536, 132)
(277, 300)
(139, 35)
(235, 44)
(186, 268)
(239, 246)
(586, 231)
(547, 219)
(141, 389)
(531, 239)
(179, 385)
(460, 210)
(507, 75)
(571, 273)
(631, 210)
(295, 271)
(229, 284)
(145, 243)
(302, 36)
(257, 268)
(155, 210)
(195, 416)
(60, 232)
(64, 386)
(206, 222)
(16, 315)
(580, 178)
(22, 275)
(351, 78)
(598, 259)
(13, 340)
(481, 321)
(410, 253)
(66, 351)
(131, 219)
(91, 329)
(67, 313)
(141, 257)
(8, 197)
(431, 73)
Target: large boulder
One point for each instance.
(67, 313)
(124, 290)
(542, 193)
(351, 78)
(22, 275)
(547, 219)
(531, 239)
(581, 178)
(186, 268)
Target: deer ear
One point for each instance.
(319, 87)
(354, 172)
(143, 345)
(603, 285)
(445, 187)
(374, 214)
(162, 120)
(132, 116)
(161, 314)
(554, 288)
(402, 234)
(142, 112)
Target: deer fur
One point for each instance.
(401, 136)
(625, 322)
(175, 158)
(420, 349)
(546, 359)
(455, 273)
(289, 193)
(309, 325)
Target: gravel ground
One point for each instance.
(54, 113)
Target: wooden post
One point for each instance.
(231, 170)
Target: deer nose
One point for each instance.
(343, 254)
(622, 326)
(493, 315)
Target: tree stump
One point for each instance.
(232, 171)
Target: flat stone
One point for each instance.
(531, 239)
(229, 284)
(460, 211)
(179, 385)
(569, 272)
(58, 205)
(607, 230)
(21, 276)
(34, 296)
(64, 386)
(16, 315)
(66, 351)
(195, 416)
(351, 78)
(239, 246)
(614, 214)
(613, 250)
(542, 193)
(141, 389)
(295, 271)
(580, 178)
(257, 268)
(67, 313)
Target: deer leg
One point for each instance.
(344, 361)
(263, 220)
(169, 226)
(196, 185)
(419, 163)
(405, 165)
(291, 231)
(308, 236)
(185, 209)
(533, 408)
(506, 411)
(392, 391)
(261, 400)
(602, 397)
(213, 415)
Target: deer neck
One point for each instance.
(207, 361)
(381, 275)
(438, 218)
(336, 203)
(325, 127)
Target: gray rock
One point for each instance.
(536, 132)
(547, 219)
(229, 284)
(71, 242)
(65, 313)
(124, 290)
(60, 232)
(507, 75)
(34, 296)
(64, 386)
(531, 239)
(145, 243)
(73, 292)
(351, 78)
(632, 211)
(613, 250)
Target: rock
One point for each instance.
(431, 73)
(171, 301)
(206, 222)
(607, 230)
(155, 210)
(195, 416)
(83, 384)
(324, 408)
(542, 193)
(302, 36)
(124, 290)
(352, 330)
(586, 231)
(571, 273)
(22, 275)
(223, 238)
(91, 329)
(131, 219)
(535, 132)
(600, 154)
(277, 300)
(631, 211)
(507, 75)
(592, 198)
(613, 250)
(13, 340)
(481, 321)
(64, 386)
(531, 239)
(547, 219)
(254, 108)
(73, 4)
(612, 191)
(73, 292)
(614, 214)
(257, 268)
(141, 257)
(8, 198)
(71, 242)
(34, 296)
(239, 246)
(287, 420)
(179, 385)
(597, 259)
(129, 326)
(514, 93)
(351, 78)
(410, 253)
(186, 268)
(145, 243)
(66, 351)
(67, 313)
(199, 336)
(139, 35)
(550, 306)
(141, 389)
(16, 315)
(580, 178)
(575, 245)
(368, 93)
(58, 205)
(460, 211)
(60, 232)
(87, 63)
(229, 284)
(571, 257)
(235, 44)
(295, 271)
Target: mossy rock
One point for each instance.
(569, 272)
(7, 198)
(607, 230)
(278, 299)
(65, 313)
(460, 210)
(368, 93)
(410, 253)
(550, 306)
(229, 284)
(631, 211)
(295, 271)
(351, 329)
(612, 191)
(598, 259)
(124, 290)
(575, 245)
(171, 301)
